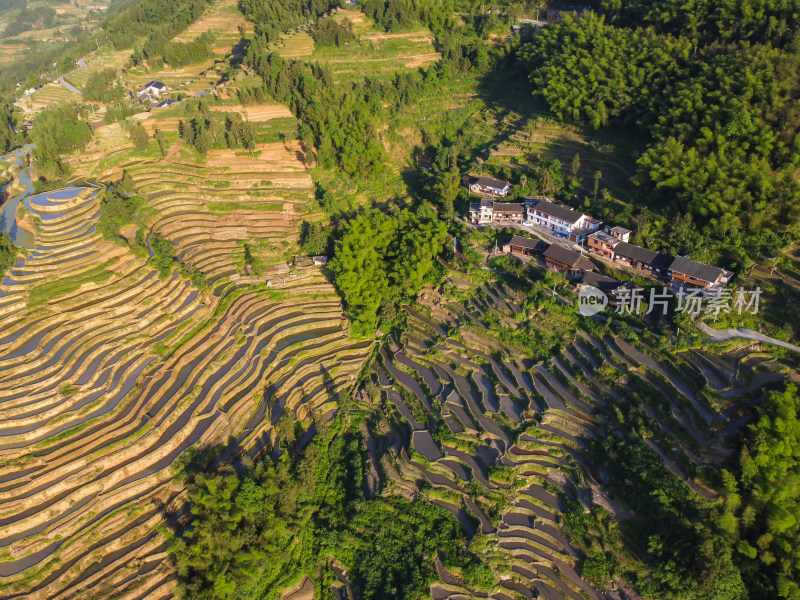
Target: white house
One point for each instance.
(481, 213)
(559, 219)
(154, 88)
(622, 234)
(487, 186)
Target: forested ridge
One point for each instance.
(714, 87)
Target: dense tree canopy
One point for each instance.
(761, 21)
(158, 20)
(58, 130)
(722, 117)
(330, 32)
(8, 253)
(100, 86)
(273, 18)
(176, 54)
(8, 137)
(381, 259)
(765, 501)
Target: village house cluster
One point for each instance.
(609, 242)
(149, 94)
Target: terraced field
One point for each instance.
(10, 52)
(295, 45)
(225, 21)
(50, 95)
(372, 53)
(543, 139)
(108, 372)
(257, 114)
(97, 62)
(209, 210)
(500, 441)
(191, 79)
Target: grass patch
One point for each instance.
(44, 292)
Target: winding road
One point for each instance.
(69, 86)
(721, 335)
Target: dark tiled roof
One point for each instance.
(662, 262)
(698, 270)
(584, 264)
(508, 207)
(523, 242)
(601, 282)
(484, 203)
(488, 182)
(558, 211)
(635, 252)
(561, 255)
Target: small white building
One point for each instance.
(481, 213)
(487, 186)
(154, 88)
(560, 219)
(622, 234)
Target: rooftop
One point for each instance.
(557, 211)
(619, 230)
(509, 207)
(488, 182)
(605, 238)
(635, 252)
(523, 242)
(697, 270)
(484, 203)
(662, 262)
(567, 257)
(601, 282)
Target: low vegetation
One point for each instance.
(101, 87)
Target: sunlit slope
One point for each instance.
(108, 373)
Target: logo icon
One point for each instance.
(591, 301)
